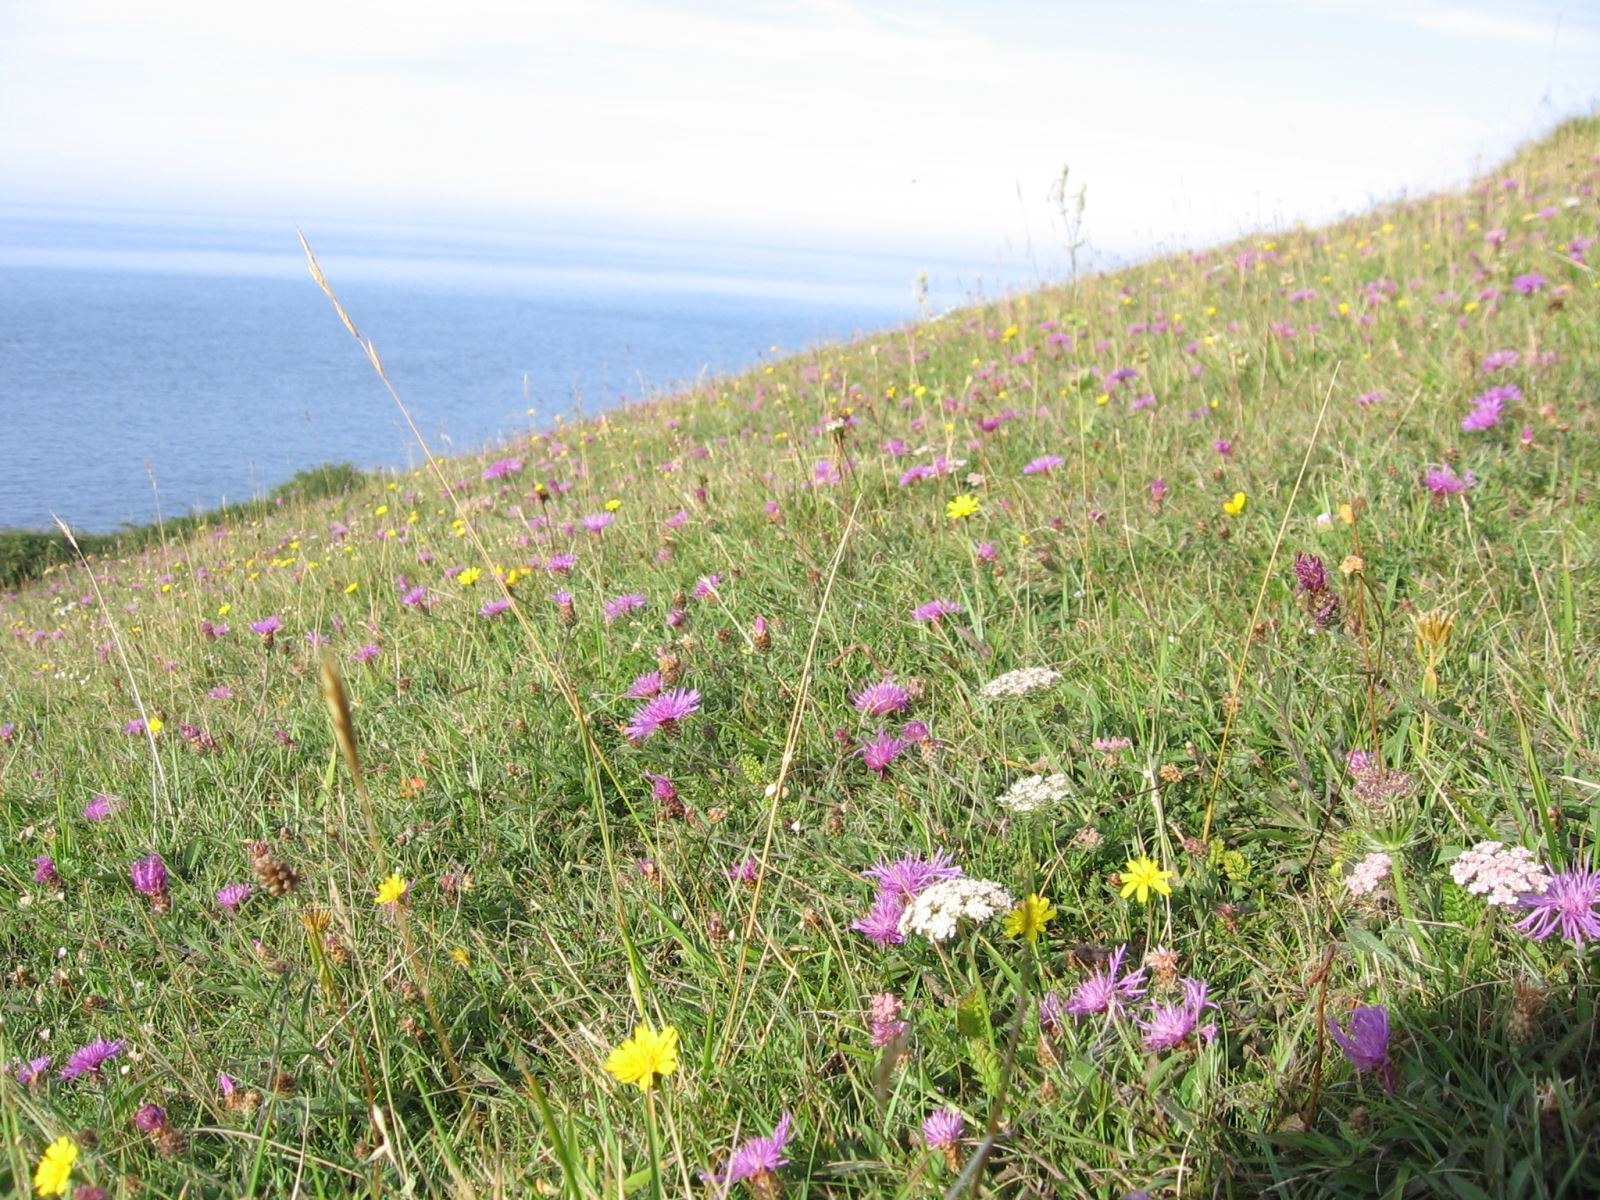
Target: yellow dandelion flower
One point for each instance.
(1142, 876)
(55, 1168)
(1235, 506)
(1030, 917)
(961, 507)
(613, 504)
(645, 1056)
(392, 890)
(469, 577)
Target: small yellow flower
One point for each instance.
(55, 1168)
(381, 510)
(613, 504)
(155, 726)
(1030, 917)
(468, 577)
(224, 609)
(1142, 876)
(961, 507)
(1011, 332)
(1347, 514)
(645, 1056)
(392, 890)
(1103, 399)
(351, 589)
(1235, 506)
(460, 957)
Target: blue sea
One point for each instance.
(184, 363)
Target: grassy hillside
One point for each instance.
(1299, 537)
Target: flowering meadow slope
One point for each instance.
(1134, 738)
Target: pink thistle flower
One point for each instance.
(87, 1060)
(1171, 1025)
(1104, 990)
(943, 1129)
(909, 875)
(1044, 464)
(882, 922)
(1566, 906)
(880, 752)
(880, 699)
(645, 686)
(755, 1159)
(935, 610)
(150, 876)
(1365, 1041)
(620, 606)
(101, 805)
(663, 713)
(232, 895)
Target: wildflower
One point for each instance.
(1442, 481)
(232, 895)
(880, 752)
(885, 1008)
(756, 1160)
(1488, 407)
(745, 871)
(1112, 745)
(1029, 918)
(1019, 682)
(1365, 1041)
(935, 912)
(31, 1071)
(1158, 492)
(150, 876)
(663, 713)
(268, 628)
(880, 699)
(1497, 360)
(101, 805)
(87, 1060)
(1529, 284)
(1368, 874)
(1044, 465)
(911, 874)
(646, 1056)
(54, 1171)
(392, 891)
(622, 605)
(881, 925)
(1142, 876)
(705, 587)
(1310, 575)
(494, 607)
(1035, 791)
(1500, 876)
(760, 636)
(502, 467)
(961, 507)
(1103, 991)
(44, 871)
(150, 1118)
(1566, 905)
(365, 653)
(1171, 1025)
(645, 686)
(597, 522)
(942, 1131)
(935, 610)
(1234, 506)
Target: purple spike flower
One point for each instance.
(943, 1129)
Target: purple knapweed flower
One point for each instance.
(882, 922)
(1442, 481)
(598, 522)
(1488, 406)
(101, 805)
(882, 750)
(231, 895)
(880, 699)
(705, 587)
(1171, 1025)
(150, 875)
(1309, 572)
(1499, 360)
(1529, 284)
(31, 1071)
(906, 877)
(746, 870)
(494, 607)
(1044, 464)
(87, 1060)
(935, 610)
(501, 467)
(1566, 906)
(44, 871)
(8, 731)
(365, 653)
(1158, 490)
(1104, 990)
(1365, 1041)
(645, 686)
(150, 1118)
(758, 1157)
(267, 626)
(620, 606)
(943, 1129)
(663, 713)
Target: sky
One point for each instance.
(924, 126)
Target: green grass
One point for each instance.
(456, 1047)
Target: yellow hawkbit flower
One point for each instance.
(55, 1168)
(1142, 876)
(644, 1057)
(1030, 917)
(392, 890)
(1235, 506)
(613, 504)
(961, 507)
(469, 577)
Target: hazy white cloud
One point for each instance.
(918, 125)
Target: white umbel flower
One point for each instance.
(1035, 791)
(1019, 682)
(938, 908)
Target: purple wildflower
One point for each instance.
(230, 896)
(87, 1060)
(1442, 481)
(880, 751)
(502, 467)
(1051, 1011)
(150, 1118)
(1365, 1041)
(1171, 1025)
(758, 1157)
(935, 610)
(645, 686)
(1044, 464)
(150, 875)
(1309, 572)
(1567, 906)
(943, 1129)
(1488, 406)
(661, 789)
(663, 713)
(882, 922)
(597, 522)
(44, 871)
(494, 607)
(31, 1071)
(101, 805)
(266, 627)
(1529, 284)
(1499, 359)
(705, 587)
(365, 654)
(880, 699)
(1103, 991)
(1158, 490)
(622, 605)
(907, 876)
(8, 731)
(746, 870)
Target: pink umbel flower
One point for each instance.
(885, 1008)
(663, 713)
(1499, 875)
(1368, 874)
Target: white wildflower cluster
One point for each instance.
(1368, 874)
(1499, 875)
(1019, 682)
(1035, 791)
(937, 908)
